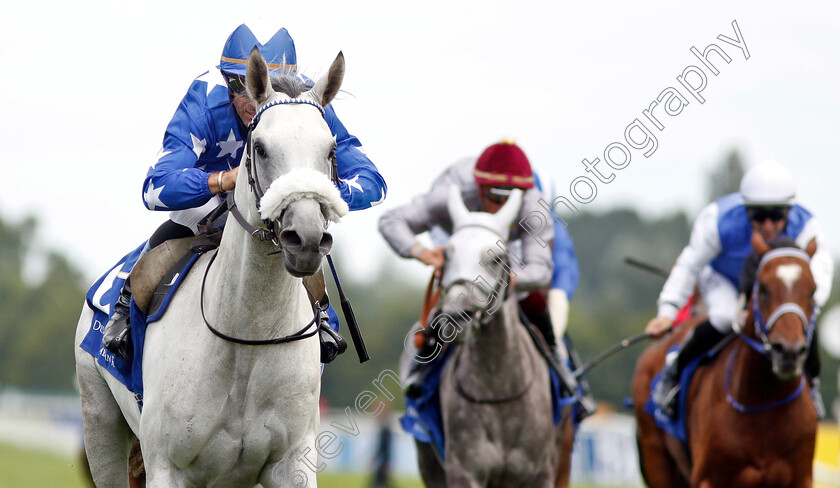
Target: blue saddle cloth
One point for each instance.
(423, 419)
(676, 426)
(101, 299)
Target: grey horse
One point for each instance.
(495, 394)
(218, 413)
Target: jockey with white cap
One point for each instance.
(202, 147)
(714, 258)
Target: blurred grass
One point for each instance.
(20, 467)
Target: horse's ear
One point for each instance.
(457, 210)
(256, 77)
(759, 245)
(327, 86)
(811, 248)
(510, 210)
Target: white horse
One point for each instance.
(218, 413)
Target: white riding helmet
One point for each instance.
(768, 183)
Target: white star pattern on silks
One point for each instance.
(381, 199)
(198, 145)
(353, 183)
(230, 146)
(213, 78)
(160, 155)
(152, 197)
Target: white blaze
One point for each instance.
(789, 274)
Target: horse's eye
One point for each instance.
(762, 291)
(260, 150)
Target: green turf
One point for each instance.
(27, 468)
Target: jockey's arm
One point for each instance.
(173, 182)
(536, 272)
(822, 265)
(401, 225)
(703, 246)
(360, 183)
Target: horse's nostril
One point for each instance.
(290, 239)
(326, 242)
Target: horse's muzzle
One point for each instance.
(304, 239)
(788, 360)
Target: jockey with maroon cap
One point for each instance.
(485, 184)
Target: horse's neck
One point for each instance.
(249, 292)
(497, 346)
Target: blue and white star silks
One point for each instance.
(152, 197)
(160, 155)
(353, 183)
(229, 146)
(206, 120)
(213, 78)
(198, 145)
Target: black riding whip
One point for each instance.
(647, 267)
(352, 325)
(624, 344)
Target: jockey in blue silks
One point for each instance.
(714, 259)
(202, 147)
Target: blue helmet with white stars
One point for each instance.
(279, 51)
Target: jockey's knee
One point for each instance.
(167, 231)
(722, 324)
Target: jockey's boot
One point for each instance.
(420, 363)
(116, 337)
(332, 344)
(700, 340)
(812, 372)
(816, 397)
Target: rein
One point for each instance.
(744, 409)
(299, 335)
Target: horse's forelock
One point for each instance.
(750, 269)
(289, 85)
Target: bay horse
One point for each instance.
(495, 396)
(750, 420)
(218, 411)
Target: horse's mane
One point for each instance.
(747, 278)
(290, 84)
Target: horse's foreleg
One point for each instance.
(430, 467)
(565, 431)
(297, 470)
(107, 435)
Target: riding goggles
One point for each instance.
(498, 195)
(235, 82)
(760, 214)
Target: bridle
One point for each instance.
(270, 232)
(271, 229)
(764, 326)
(483, 316)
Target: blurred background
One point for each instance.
(91, 86)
